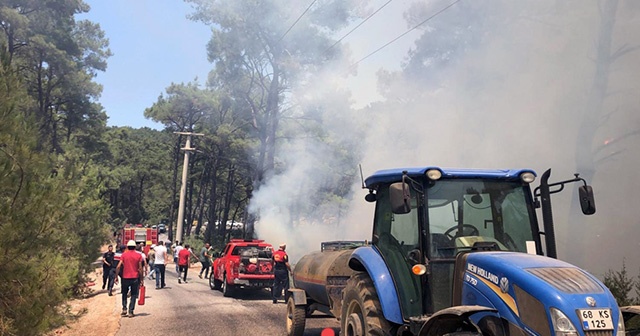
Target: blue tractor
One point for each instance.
(455, 252)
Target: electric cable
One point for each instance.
(298, 19)
(405, 33)
(356, 27)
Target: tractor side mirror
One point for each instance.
(400, 198)
(587, 201)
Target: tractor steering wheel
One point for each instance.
(472, 231)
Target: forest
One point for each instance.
(281, 143)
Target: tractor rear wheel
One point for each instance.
(361, 311)
(296, 318)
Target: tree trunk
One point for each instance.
(585, 162)
(228, 196)
(209, 231)
(202, 194)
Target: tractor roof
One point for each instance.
(395, 175)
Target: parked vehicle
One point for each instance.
(139, 234)
(455, 252)
(244, 263)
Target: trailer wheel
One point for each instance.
(361, 310)
(227, 290)
(295, 318)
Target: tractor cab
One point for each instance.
(425, 217)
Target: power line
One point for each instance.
(405, 33)
(356, 27)
(298, 19)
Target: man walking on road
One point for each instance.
(113, 272)
(160, 264)
(205, 260)
(281, 269)
(132, 276)
(107, 261)
(184, 260)
(176, 250)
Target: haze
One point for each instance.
(513, 98)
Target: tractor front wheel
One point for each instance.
(361, 311)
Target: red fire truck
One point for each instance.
(139, 234)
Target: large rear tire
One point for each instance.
(296, 319)
(227, 289)
(361, 311)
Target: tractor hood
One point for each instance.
(523, 288)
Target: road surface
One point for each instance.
(194, 309)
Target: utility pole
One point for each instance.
(183, 187)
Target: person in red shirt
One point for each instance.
(184, 260)
(281, 270)
(132, 276)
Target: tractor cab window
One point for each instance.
(395, 235)
(467, 214)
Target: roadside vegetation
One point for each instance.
(624, 286)
(68, 181)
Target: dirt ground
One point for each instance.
(97, 313)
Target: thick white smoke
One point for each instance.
(513, 101)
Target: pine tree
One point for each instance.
(621, 285)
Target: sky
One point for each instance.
(154, 44)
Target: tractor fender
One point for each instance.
(368, 259)
(447, 320)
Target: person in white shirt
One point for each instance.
(160, 264)
(176, 250)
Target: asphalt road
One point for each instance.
(193, 308)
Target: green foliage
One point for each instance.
(135, 171)
(621, 285)
(51, 220)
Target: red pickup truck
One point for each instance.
(244, 263)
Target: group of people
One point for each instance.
(132, 265)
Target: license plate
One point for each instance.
(595, 319)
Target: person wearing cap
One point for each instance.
(151, 257)
(132, 277)
(281, 269)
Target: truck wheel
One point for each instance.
(217, 284)
(227, 290)
(361, 310)
(295, 318)
(214, 283)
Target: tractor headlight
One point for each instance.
(434, 174)
(527, 177)
(561, 324)
(621, 329)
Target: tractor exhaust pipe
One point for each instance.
(547, 216)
